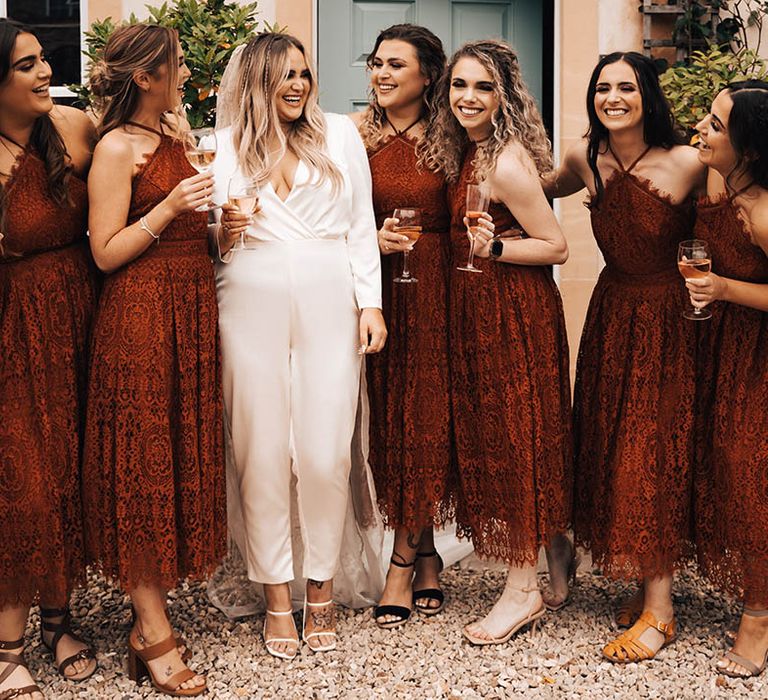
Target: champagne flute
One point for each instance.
(200, 149)
(694, 260)
(409, 224)
(478, 197)
(243, 193)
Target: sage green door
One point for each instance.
(347, 30)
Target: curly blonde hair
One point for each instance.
(516, 120)
(431, 57)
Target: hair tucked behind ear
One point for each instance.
(748, 128)
(45, 139)
(131, 49)
(517, 118)
(431, 57)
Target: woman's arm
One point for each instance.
(362, 242)
(114, 244)
(567, 179)
(516, 184)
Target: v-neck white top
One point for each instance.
(313, 211)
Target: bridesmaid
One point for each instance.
(732, 480)
(633, 403)
(154, 470)
(47, 296)
(410, 438)
(510, 389)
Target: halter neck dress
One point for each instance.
(47, 298)
(732, 478)
(153, 474)
(410, 437)
(510, 396)
(634, 393)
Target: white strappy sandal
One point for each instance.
(268, 642)
(328, 632)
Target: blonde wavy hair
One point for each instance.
(431, 57)
(516, 120)
(248, 97)
(132, 49)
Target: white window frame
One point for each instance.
(60, 90)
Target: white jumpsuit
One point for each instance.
(288, 316)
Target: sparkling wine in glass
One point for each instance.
(409, 224)
(478, 198)
(200, 149)
(694, 260)
(243, 193)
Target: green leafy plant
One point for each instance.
(691, 88)
(209, 31)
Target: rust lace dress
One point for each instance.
(154, 489)
(732, 470)
(410, 435)
(510, 393)
(634, 394)
(47, 297)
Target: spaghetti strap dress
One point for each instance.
(410, 435)
(153, 473)
(47, 299)
(634, 392)
(510, 396)
(731, 476)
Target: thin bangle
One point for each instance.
(145, 227)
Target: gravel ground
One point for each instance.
(425, 659)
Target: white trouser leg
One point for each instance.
(325, 377)
(254, 321)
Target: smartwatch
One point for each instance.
(496, 249)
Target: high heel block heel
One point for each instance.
(138, 669)
(430, 594)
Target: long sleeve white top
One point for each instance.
(313, 210)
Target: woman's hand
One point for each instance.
(390, 241)
(482, 233)
(705, 290)
(233, 225)
(191, 193)
(373, 331)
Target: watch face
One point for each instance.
(497, 248)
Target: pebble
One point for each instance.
(427, 658)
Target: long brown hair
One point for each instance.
(45, 139)
(130, 49)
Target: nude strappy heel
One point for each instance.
(751, 667)
(269, 641)
(532, 619)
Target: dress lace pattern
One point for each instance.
(634, 394)
(510, 392)
(47, 297)
(410, 438)
(732, 450)
(154, 482)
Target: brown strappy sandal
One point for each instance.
(14, 660)
(59, 630)
(181, 643)
(138, 668)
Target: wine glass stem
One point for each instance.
(471, 259)
(406, 271)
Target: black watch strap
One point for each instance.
(496, 248)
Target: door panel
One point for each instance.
(348, 28)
